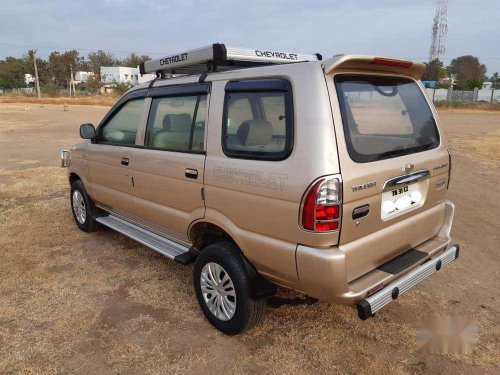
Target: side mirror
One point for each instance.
(87, 131)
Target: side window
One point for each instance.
(121, 128)
(258, 124)
(238, 111)
(177, 123)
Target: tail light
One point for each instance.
(321, 205)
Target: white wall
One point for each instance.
(484, 94)
(83, 76)
(440, 94)
(496, 96)
(120, 74)
(146, 77)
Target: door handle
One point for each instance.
(125, 161)
(191, 173)
(360, 212)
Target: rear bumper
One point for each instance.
(370, 305)
(323, 273)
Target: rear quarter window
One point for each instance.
(258, 119)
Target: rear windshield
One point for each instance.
(384, 117)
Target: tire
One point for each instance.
(81, 203)
(225, 261)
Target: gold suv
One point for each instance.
(270, 168)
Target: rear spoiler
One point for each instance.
(373, 63)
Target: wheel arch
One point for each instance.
(73, 177)
(204, 233)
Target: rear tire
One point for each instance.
(222, 287)
(82, 207)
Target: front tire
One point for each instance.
(222, 288)
(82, 207)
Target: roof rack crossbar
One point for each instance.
(218, 58)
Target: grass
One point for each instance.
(101, 100)
(72, 302)
(101, 303)
(469, 107)
(485, 149)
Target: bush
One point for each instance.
(473, 83)
(121, 88)
(94, 84)
(449, 104)
(51, 89)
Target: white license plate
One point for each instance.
(400, 200)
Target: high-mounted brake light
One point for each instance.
(389, 62)
(321, 206)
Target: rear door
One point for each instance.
(394, 165)
(170, 161)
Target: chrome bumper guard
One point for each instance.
(370, 305)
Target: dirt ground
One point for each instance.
(100, 303)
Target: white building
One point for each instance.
(487, 85)
(146, 77)
(82, 76)
(119, 74)
(28, 78)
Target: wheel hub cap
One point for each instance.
(218, 291)
(79, 207)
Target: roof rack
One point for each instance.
(218, 58)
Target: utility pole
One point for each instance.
(36, 76)
(70, 79)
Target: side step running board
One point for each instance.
(166, 247)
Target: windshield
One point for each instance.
(384, 117)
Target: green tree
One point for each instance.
(475, 82)
(84, 66)
(60, 66)
(495, 79)
(434, 71)
(42, 66)
(12, 71)
(94, 84)
(134, 60)
(121, 88)
(468, 69)
(100, 58)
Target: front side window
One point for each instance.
(121, 128)
(258, 124)
(177, 123)
(384, 117)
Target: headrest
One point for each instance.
(255, 133)
(177, 122)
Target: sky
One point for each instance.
(381, 27)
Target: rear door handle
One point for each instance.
(360, 212)
(125, 161)
(191, 173)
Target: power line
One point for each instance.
(77, 49)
